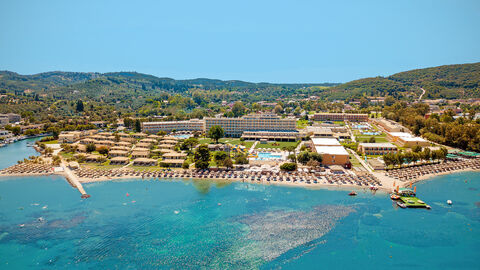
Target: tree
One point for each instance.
(316, 157)
(313, 164)
(91, 147)
(216, 133)
(202, 157)
(372, 139)
(417, 149)
(128, 122)
(228, 163)
(16, 130)
(241, 159)
(278, 109)
(102, 150)
(303, 157)
(287, 166)
(389, 159)
(189, 143)
(292, 157)
(186, 164)
(238, 109)
(389, 101)
(363, 103)
(426, 154)
(55, 132)
(79, 107)
(220, 158)
(138, 126)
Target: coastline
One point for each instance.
(334, 186)
(429, 176)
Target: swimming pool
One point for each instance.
(268, 155)
(182, 136)
(371, 133)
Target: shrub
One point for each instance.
(288, 166)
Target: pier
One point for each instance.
(73, 180)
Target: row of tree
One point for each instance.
(408, 157)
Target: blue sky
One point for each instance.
(273, 41)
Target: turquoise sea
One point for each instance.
(176, 224)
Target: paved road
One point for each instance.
(364, 164)
(420, 97)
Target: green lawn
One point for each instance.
(278, 145)
(382, 138)
(378, 139)
(354, 161)
(233, 141)
(204, 140)
(51, 142)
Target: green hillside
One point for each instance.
(450, 81)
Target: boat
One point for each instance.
(353, 193)
(449, 202)
(394, 196)
(85, 196)
(402, 205)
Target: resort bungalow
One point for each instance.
(173, 142)
(69, 137)
(148, 140)
(118, 153)
(93, 158)
(119, 160)
(143, 145)
(175, 155)
(376, 148)
(166, 146)
(139, 135)
(88, 141)
(123, 144)
(128, 139)
(155, 137)
(144, 162)
(121, 148)
(140, 154)
(174, 159)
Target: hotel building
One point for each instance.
(235, 127)
(168, 126)
(388, 125)
(331, 150)
(404, 139)
(352, 117)
(377, 148)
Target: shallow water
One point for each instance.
(200, 224)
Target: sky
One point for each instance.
(258, 41)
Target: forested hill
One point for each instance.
(66, 81)
(450, 81)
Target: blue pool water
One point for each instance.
(175, 224)
(182, 136)
(370, 133)
(268, 155)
